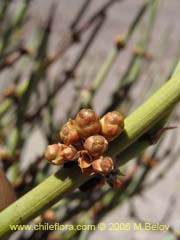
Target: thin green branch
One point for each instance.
(148, 114)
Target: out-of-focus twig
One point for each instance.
(80, 13)
(69, 74)
(120, 43)
(134, 68)
(38, 72)
(13, 26)
(13, 57)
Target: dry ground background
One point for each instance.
(155, 201)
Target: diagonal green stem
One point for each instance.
(148, 114)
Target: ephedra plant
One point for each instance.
(88, 149)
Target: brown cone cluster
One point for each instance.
(85, 140)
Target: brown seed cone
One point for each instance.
(68, 152)
(85, 159)
(103, 165)
(120, 41)
(59, 153)
(87, 123)
(96, 145)
(68, 133)
(112, 124)
(51, 152)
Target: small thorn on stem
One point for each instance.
(154, 138)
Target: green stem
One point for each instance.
(147, 115)
(65, 181)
